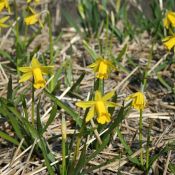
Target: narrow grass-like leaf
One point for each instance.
(9, 89)
(163, 82)
(69, 110)
(77, 83)
(122, 52)
(81, 160)
(11, 118)
(6, 55)
(39, 124)
(24, 105)
(91, 52)
(8, 138)
(45, 154)
(51, 118)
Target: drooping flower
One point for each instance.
(98, 107)
(169, 42)
(3, 20)
(35, 70)
(33, 18)
(169, 19)
(138, 100)
(4, 4)
(102, 68)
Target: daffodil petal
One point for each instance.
(4, 25)
(108, 96)
(85, 104)
(4, 19)
(98, 96)
(25, 77)
(47, 69)
(35, 63)
(25, 69)
(90, 114)
(111, 104)
(169, 42)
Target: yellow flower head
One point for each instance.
(33, 18)
(102, 68)
(36, 70)
(138, 100)
(2, 21)
(169, 42)
(98, 107)
(169, 19)
(4, 4)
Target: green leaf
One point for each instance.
(39, 124)
(81, 160)
(77, 83)
(122, 52)
(7, 56)
(52, 117)
(69, 110)
(90, 50)
(6, 112)
(163, 82)
(8, 138)
(9, 89)
(45, 154)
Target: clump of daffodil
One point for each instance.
(102, 67)
(35, 70)
(2, 21)
(169, 42)
(98, 107)
(33, 18)
(138, 100)
(4, 4)
(169, 19)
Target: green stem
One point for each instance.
(63, 156)
(101, 86)
(50, 38)
(140, 137)
(76, 152)
(147, 148)
(33, 105)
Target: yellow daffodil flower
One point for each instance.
(169, 42)
(36, 70)
(138, 100)
(32, 19)
(169, 19)
(3, 20)
(4, 4)
(36, 1)
(102, 68)
(98, 107)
